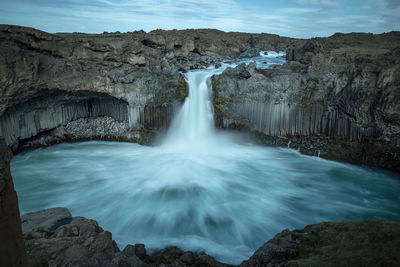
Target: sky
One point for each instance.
(292, 18)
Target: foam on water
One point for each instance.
(272, 54)
(200, 190)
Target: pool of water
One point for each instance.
(225, 198)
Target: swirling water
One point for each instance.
(200, 189)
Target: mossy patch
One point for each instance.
(183, 91)
(163, 100)
(219, 102)
(368, 243)
(214, 83)
(307, 92)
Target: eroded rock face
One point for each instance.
(12, 247)
(50, 80)
(338, 99)
(54, 238)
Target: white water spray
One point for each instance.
(194, 123)
(192, 130)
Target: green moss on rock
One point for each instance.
(183, 91)
(219, 102)
(214, 83)
(346, 243)
(349, 243)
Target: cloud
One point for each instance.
(297, 10)
(124, 15)
(320, 3)
(393, 3)
(295, 18)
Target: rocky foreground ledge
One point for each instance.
(54, 238)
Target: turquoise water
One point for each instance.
(226, 201)
(200, 189)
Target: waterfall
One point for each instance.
(193, 126)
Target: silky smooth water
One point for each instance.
(200, 189)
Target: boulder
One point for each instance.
(54, 238)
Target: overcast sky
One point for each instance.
(294, 18)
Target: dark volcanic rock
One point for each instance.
(54, 238)
(61, 240)
(340, 99)
(50, 80)
(140, 251)
(45, 220)
(276, 252)
(347, 243)
(12, 248)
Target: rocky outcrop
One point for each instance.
(50, 80)
(338, 98)
(348, 243)
(54, 238)
(12, 247)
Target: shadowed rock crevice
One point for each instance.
(62, 115)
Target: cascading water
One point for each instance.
(200, 190)
(194, 123)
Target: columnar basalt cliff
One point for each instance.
(337, 97)
(130, 82)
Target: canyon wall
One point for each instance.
(53, 87)
(336, 97)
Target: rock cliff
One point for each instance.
(53, 86)
(337, 97)
(12, 247)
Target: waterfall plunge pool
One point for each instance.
(226, 201)
(200, 190)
